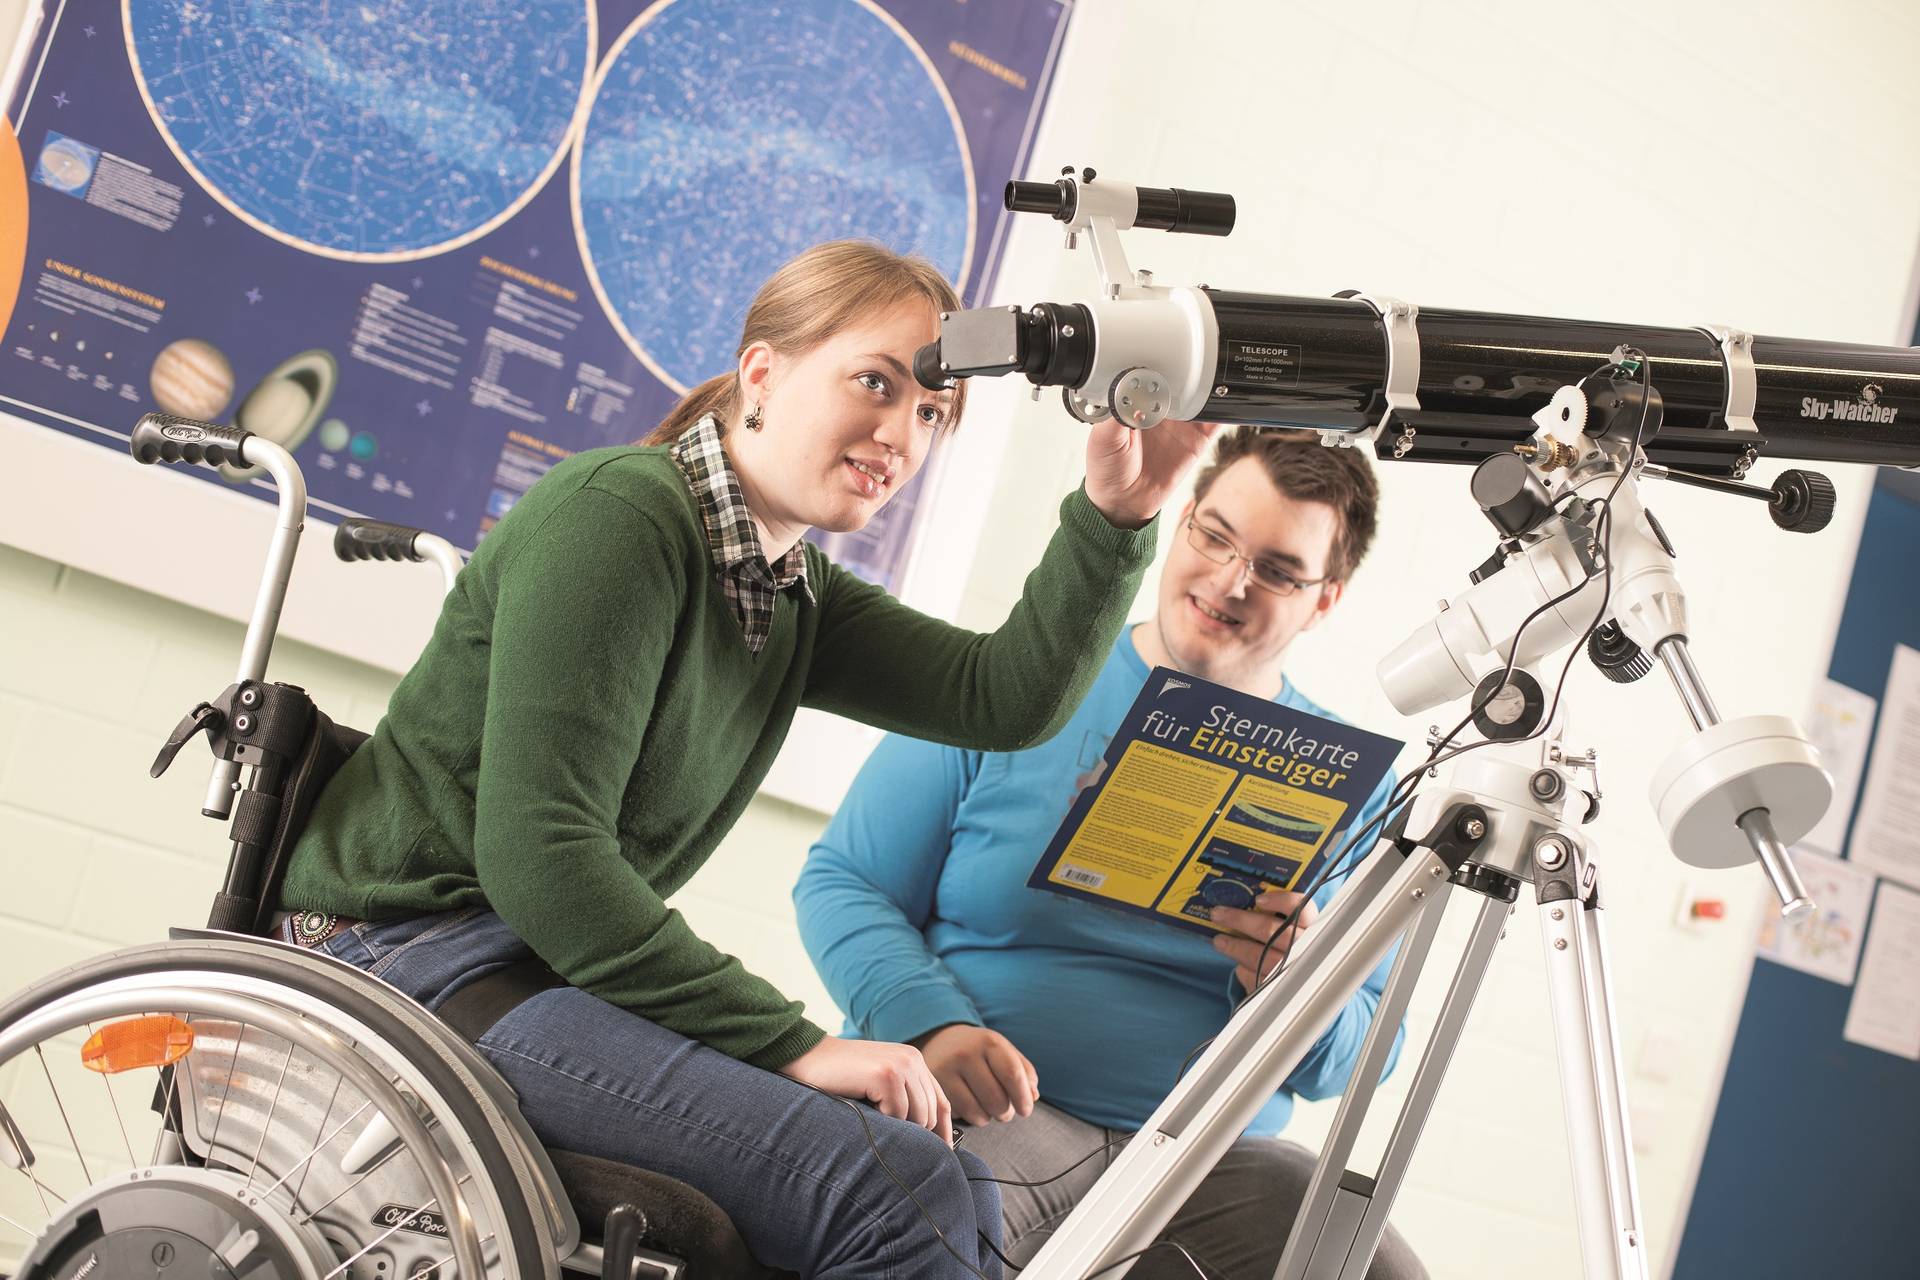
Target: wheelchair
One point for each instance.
(272, 1112)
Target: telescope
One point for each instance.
(1419, 383)
(1562, 420)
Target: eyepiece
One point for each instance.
(1055, 199)
(1052, 344)
(926, 367)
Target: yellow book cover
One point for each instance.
(1209, 797)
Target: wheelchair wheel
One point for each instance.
(241, 1109)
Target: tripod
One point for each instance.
(1568, 563)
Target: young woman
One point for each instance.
(608, 683)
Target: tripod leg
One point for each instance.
(1250, 1058)
(1334, 1203)
(1592, 1094)
(1488, 928)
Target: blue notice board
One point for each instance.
(1812, 1166)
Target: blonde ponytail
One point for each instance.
(718, 396)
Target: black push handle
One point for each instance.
(361, 539)
(166, 437)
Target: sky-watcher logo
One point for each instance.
(1865, 409)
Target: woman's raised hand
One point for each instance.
(1130, 474)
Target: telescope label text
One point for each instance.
(1846, 410)
(1266, 364)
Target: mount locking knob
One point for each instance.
(1619, 659)
(1803, 501)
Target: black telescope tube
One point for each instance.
(1322, 363)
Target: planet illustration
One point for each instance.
(334, 435)
(66, 165)
(193, 378)
(285, 405)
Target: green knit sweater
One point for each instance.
(587, 723)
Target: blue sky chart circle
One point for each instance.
(725, 138)
(371, 130)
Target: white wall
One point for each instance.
(1747, 163)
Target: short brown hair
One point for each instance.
(807, 301)
(1308, 471)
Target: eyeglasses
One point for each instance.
(1264, 574)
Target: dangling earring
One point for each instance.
(754, 421)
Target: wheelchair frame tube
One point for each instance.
(289, 519)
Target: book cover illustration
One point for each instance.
(1210, 797)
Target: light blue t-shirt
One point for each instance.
(915, 908)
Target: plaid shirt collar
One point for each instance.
(749, 582)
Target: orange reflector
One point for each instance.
(155, 1040)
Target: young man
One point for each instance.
(915, 908)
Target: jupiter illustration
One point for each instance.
(193, 379)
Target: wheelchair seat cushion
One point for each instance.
(680, 1219)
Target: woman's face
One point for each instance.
(846, 424)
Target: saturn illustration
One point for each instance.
(285, 405)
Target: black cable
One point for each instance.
(1346, 851)
(1435, 757)
(873, 1144)
(1109, 1145)
(1205, 1272)
(1013, 1268)
(1193, 1262)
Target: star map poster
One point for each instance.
(434, 246)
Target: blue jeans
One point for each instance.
(792, 1167)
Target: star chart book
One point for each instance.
(1208, 797)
